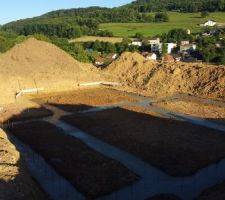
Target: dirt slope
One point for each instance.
(15, 182)
(39, 64)
(161, 79)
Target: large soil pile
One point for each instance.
(38, 64)
(162, 79)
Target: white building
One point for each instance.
(170, 47)
(154, 41)
(151, 56)
(209, 23)
(136, 43)
(188, 47)
(184, 42)
(156, 47)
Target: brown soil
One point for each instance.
(90, 172)
(178, 148)
(22, 110)
(197, 109)
(162, 79)
(38, 64)
(85, 99)
(15, 182)
(143, 111)
(29, 114)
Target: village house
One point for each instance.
(210, 23)
(188, 47)
(99, 61)
(149, 56)
(184, 42)
(170, 46)
(156, 45)
(136, 42)
(154, 41)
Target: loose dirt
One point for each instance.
(22, 110)
(15, 182)
(193, 108)
(84, 99)
(38, 64)
(178, 148)
(90, 172)
(162, 79)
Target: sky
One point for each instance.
(11, 10)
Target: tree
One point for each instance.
(164, 49)
(204, 14)
(139, 36)
(161, 17)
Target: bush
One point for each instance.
(161, 17)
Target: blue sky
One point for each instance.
(18, 9)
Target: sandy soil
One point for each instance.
(162, 79)
(90, 172)
(86, 98)
(15, 182)
(197, 109)
(38, 64)
(22, 110)
(143, 111)
(178, 148)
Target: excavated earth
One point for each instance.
(37, 64)
(15, 183)
(164, 79)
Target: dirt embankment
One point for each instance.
(38, 64)
(15, 183)
(163, 79)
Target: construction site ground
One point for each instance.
(176, 147)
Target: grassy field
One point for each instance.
(94, 38)
(177, 20)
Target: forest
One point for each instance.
(144, 6)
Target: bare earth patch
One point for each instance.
(15, 181)
(178, 148)
(31, 113)
(85, 98)
(90, 172)
(194, 108)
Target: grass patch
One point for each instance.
(177, 20)
(101, 39)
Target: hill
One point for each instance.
(38, 64)
(177, 20)
(171, 5)
(165, 79)
(76, 22)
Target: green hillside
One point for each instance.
(177, 20)
(181, 5)
(72, 23)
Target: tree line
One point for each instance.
(82, 21)
(144, 6)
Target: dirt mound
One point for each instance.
(15, 182)
(163, 79)
(38, 64)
